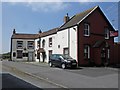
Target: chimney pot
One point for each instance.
(66, 18)
(14, 32)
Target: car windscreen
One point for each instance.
(65, 57)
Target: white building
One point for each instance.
(23, 47)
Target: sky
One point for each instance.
(29, 17)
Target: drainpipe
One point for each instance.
(39, 45)
(68, 41)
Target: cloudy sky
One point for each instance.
(29, 16)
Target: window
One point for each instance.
(86, 29)
(25, 54)
(19, 44)
(86, 51)
(50, 42)
(43, 43)
(19, 54)
(38, 43)
(50, 53)
(30, 44)
(14, 54)
(66, 51)
(107, 33)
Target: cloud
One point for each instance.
(47, 6)
(42, 6)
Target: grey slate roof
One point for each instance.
(76, 18)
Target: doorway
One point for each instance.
(30, 56)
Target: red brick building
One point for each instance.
(116, 53)
(94, 44)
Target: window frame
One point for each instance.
(86, 29)
(21, 54)
(43, 43)
(14, 54)
(107, 33)
(18, 44)
(50, 42)
(86, 52)
(30, 46)
(64, 53)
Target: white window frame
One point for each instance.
(87, 51)
(20, 44)
(30, 45)
(107, 33)
(50, 42)
(86, 29)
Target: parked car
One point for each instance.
(62, 61)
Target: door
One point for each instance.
(105, 55)
(30, 56)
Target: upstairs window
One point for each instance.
(43, 43)
(38, 43)
(50, 42)
(86, 51)
(86, 29)
(19, 44)
(107, 35)
(30, 44)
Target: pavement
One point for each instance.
(44, 64)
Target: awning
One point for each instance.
(40, 50)
(98, 43)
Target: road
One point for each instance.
(42, 76)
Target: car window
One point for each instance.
(52, 57)
(57, 57)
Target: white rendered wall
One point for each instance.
(14, 48)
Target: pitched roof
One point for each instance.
(24, 36)
(52, 31)
(77, 18)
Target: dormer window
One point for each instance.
(107, 35)
(86, 29)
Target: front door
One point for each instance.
(30, 56)
(105, 56)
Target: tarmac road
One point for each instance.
(69, 78)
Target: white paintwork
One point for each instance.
(46, 48)
(61, 38)
(14, 49)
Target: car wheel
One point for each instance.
(50, 64)
(63, 66)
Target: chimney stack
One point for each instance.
(66, 18)
(14, 32)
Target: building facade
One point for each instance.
(85, 37)
(22, 47)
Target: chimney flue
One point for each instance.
(14, 32)
(66, 18)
